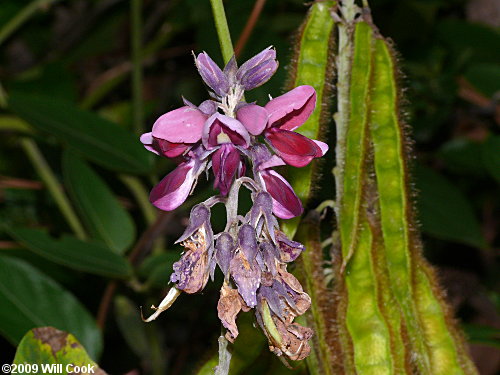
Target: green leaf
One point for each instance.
(105, 217)
(31, 299)
(463, 156)
(490, 154)
(46, 347)
(483, 335)
(158, 268)
(131, 326)
(73, 253)
(444, 210)
(99, 140)
(485, 78)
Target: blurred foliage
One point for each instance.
(66, 72)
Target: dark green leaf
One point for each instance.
(444, 211)
(97, 139)
(485, 78)
(158, 268)
(463, 156)
(46, 346)
(491, 156)
(105, 217)
(131, 326)
(31, 299)
(71, 252)
(483, 334)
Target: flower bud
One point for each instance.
(212, 74)
(258, 70)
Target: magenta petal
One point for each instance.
(285, 203)
(233, 129)
(291, 110)
(169, 149)
(182, 125)
(293, 148)
(173, 190)
(253, 117)
(147, 141)
(225, 162)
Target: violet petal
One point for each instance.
(247, 242)
(224, 251)
(212, 75)
(247, 277)
(258, 70)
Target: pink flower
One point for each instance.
(287, 113)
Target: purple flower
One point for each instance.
(192, 270)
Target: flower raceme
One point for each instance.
(227, 134)
(220, 132)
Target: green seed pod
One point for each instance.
(312, 65)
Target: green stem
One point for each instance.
(49, 179)
(20, 18)
(226, 45)
(141, 195)
(137, 104)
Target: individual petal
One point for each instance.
(246, 275)
(208, 107)
(182, 125)
(269, 255)
(219, 129)
(258, 70)
(230, 71)
(253, 117)
(175, 187)
(247, 242)
(294, 148)
(289, 250)
(169, 149)
(212, 75)
(262, 211)
(228, 307)
(147, 141)
(285, 203)
(224, 251)
(199, 216)
(291, 110)
(225, 163)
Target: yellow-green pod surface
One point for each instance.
(390, 169)
(312, 66)
(356, 138)
(367, 327)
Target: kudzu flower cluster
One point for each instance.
(232, 137)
